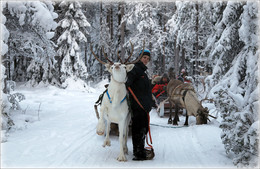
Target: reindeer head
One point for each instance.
(118, 70)
(202, 115)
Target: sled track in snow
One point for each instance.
(77, 145)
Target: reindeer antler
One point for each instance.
(211, 100)
(212, 116)
(119, 57)
(96, 56)
(137, 58)
(130, 54)
(104, 55)
(207, 113)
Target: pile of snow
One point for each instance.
(77, 84)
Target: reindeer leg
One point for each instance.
(101, 122)
(170, 117)
(107, 141)
(121, 156)
(175, 120)
(126, 129)
(186, 119)
(178, 119)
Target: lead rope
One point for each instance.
(149, 131)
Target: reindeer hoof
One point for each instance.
(107, 143)
(170, 121)
(100, 128)
(100, 133)
(121, 158)
(175, 123)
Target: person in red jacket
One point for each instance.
(160, 88)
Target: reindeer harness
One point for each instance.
(177, 91)
(110, 100)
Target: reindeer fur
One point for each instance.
(182, 95)
(116, 112)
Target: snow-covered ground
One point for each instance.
(60, 132)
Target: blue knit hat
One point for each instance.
(146, 52)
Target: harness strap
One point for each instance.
(149, 131)
(109, 97)
(111, 100)
(176, 88)
(123, 100)
(184, 94)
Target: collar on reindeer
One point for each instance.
(111, 100)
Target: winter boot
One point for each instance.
(144, 154)
(149, 154)
(140, 152)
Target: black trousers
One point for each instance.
(139, 130)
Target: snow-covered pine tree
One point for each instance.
(189, 29)
(225, 42)
(6, 121)
(92, 13)
(161, 13)
(178, 26)
(238, 89)
(141, 23)
(165, 11)
(9, 101)
(74, 30)
(31, 53)
(5, 33)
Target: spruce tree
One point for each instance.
(74, 30)
(236, 84)
(31, 52)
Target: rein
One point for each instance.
(149, 131)
(164, 126)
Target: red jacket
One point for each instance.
(158, 89)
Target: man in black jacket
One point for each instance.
(139, 82)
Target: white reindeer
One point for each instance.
(114, 107)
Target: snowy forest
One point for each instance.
(49, 43)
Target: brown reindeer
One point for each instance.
(182, 95)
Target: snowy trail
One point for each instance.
(65, 136)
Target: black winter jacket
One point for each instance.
(139, 82)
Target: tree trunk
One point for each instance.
(111, 21)
(177, 56)
(197, 37)
(183, 58)
(164, 44)
(101, 66)
(122, 32)
(197, 40)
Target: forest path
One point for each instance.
(65, 136)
